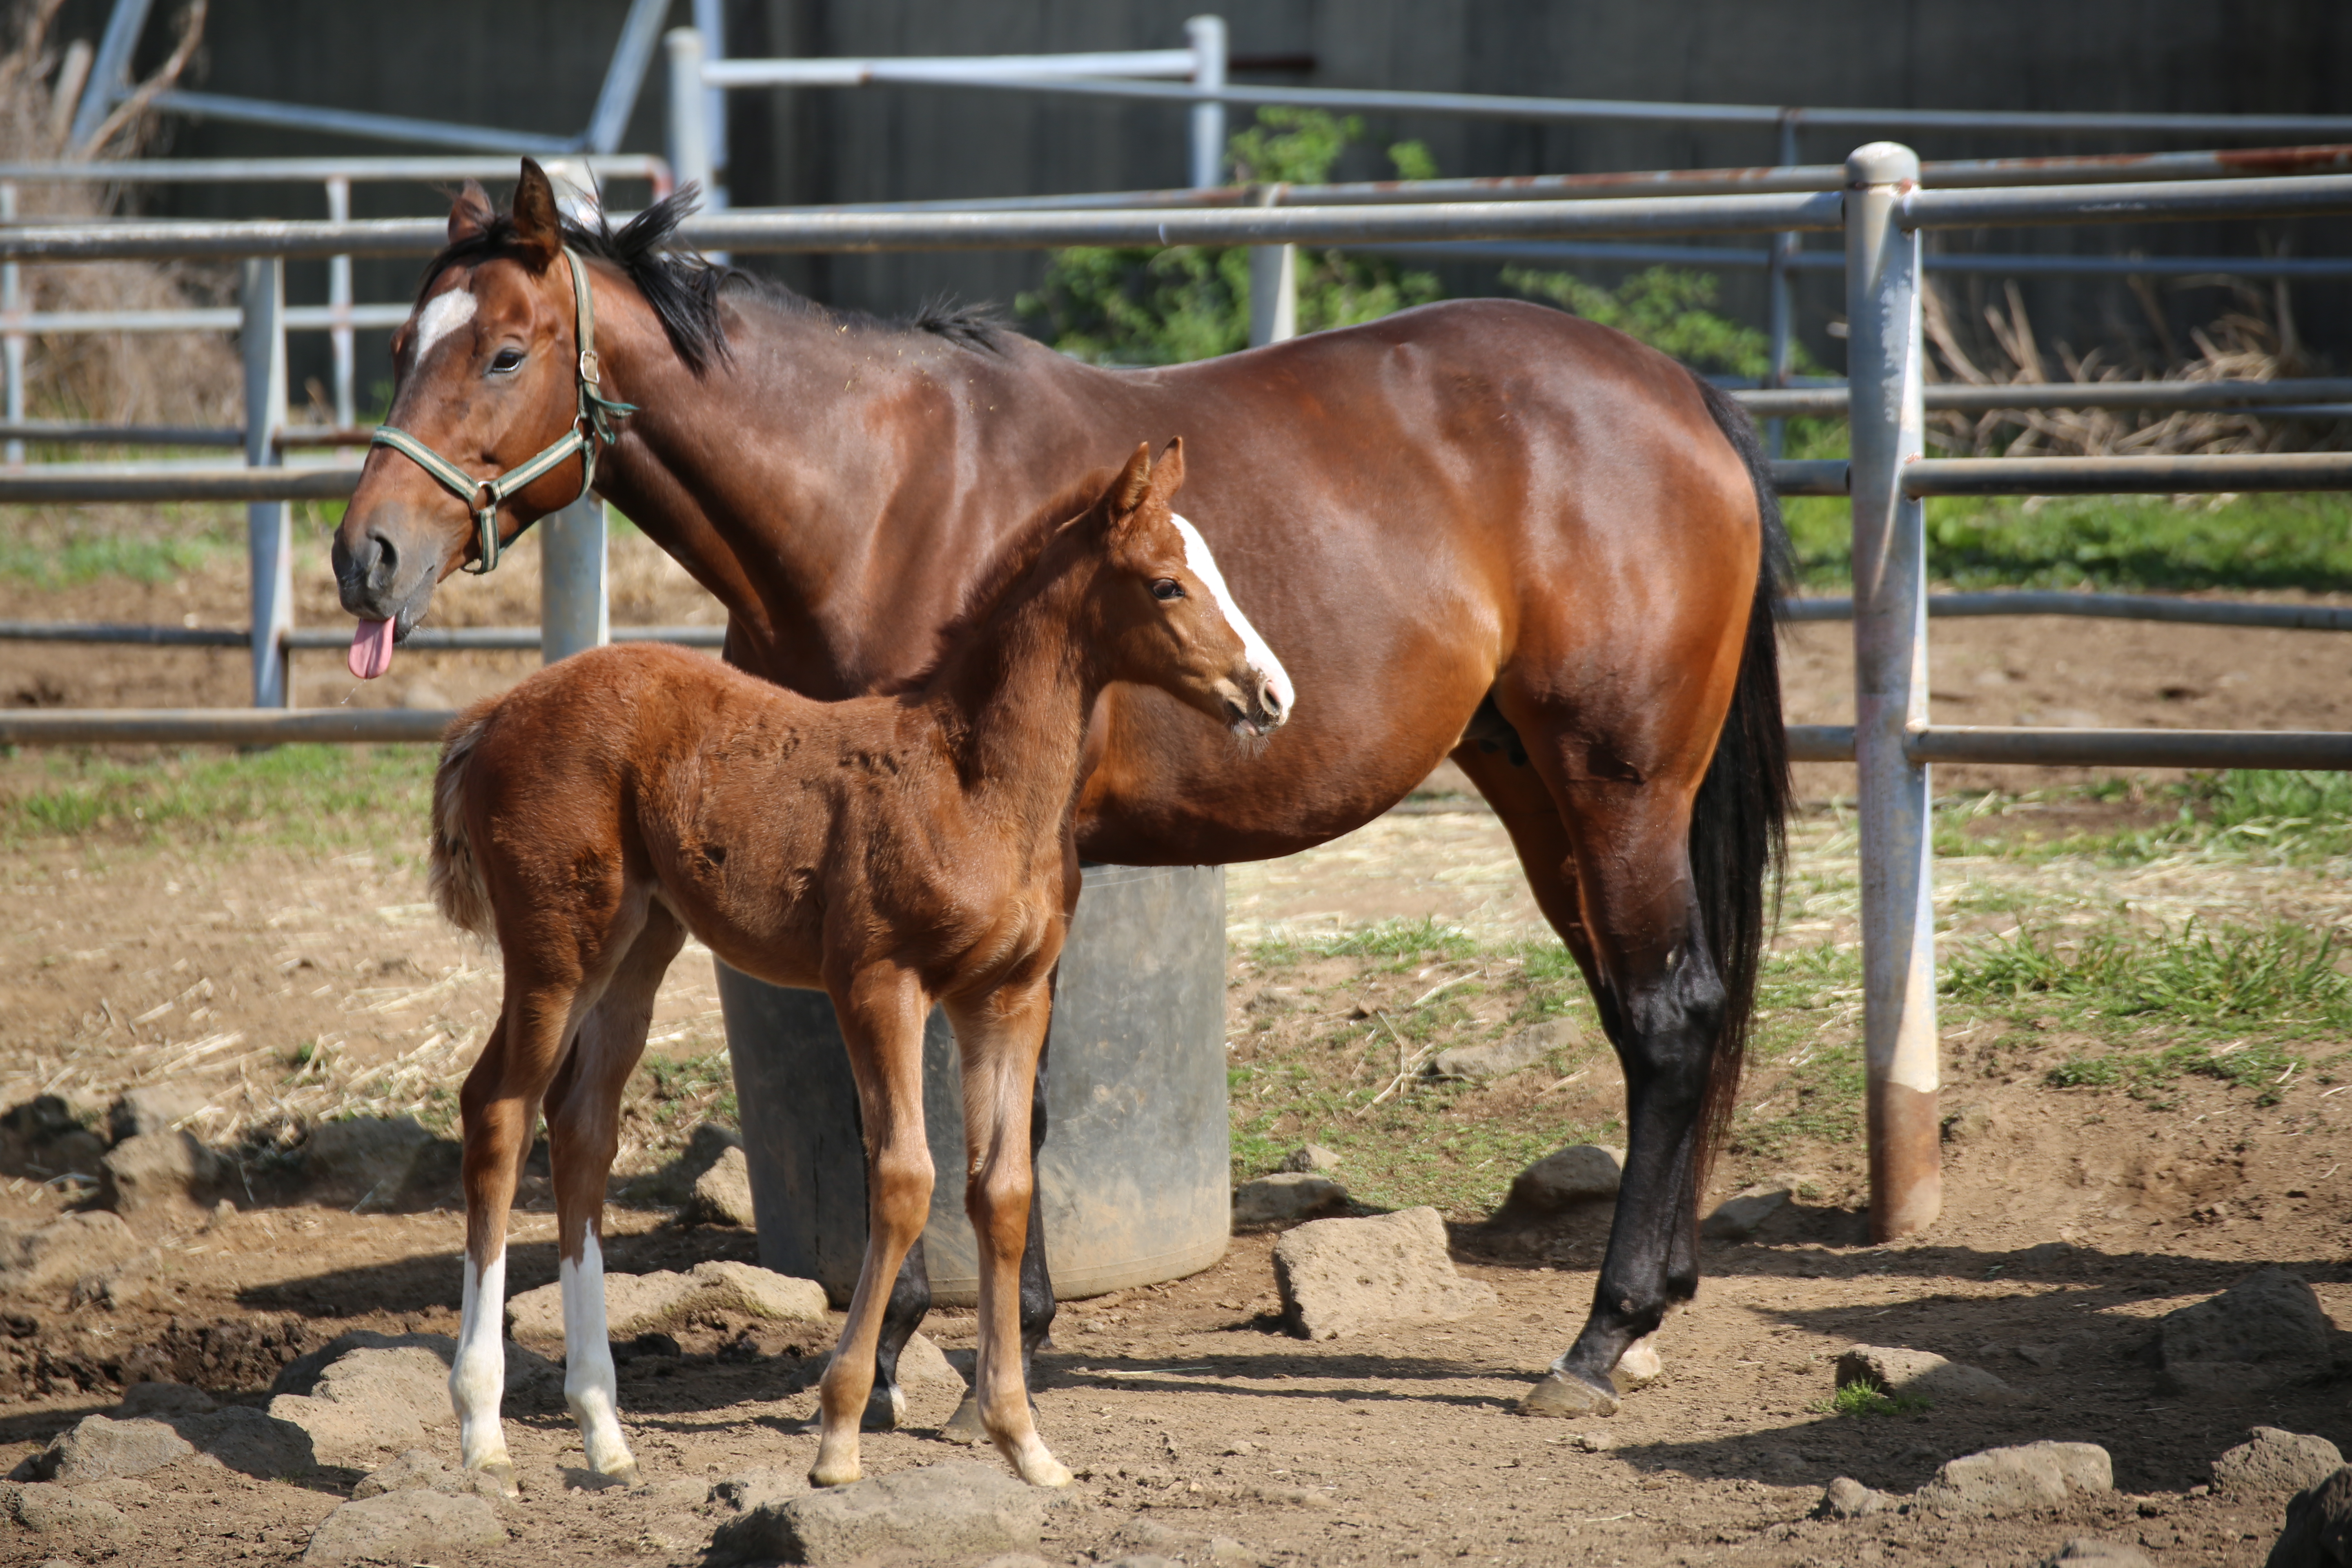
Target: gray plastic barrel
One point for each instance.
(1136, 1167)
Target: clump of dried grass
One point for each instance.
(113, 378)
(2255, 340)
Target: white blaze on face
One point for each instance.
(1204, 565)
(442, 314)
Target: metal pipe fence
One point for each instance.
(1882, 216)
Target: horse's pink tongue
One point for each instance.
(371, 649)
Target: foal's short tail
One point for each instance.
(454, 880)
(1736, 835)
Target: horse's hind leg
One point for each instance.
(881, 1014)
(1037, 1306)
(1608, 865)
(583, 1112)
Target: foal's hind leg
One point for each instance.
(1037, 1305)
(583, 1111)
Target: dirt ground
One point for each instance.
(2070, 1221)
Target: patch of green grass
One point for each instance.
(1423, 941)
(75, 558)
(1860, 1399)
(2289, 817)
(703, 1086)
(303, 796)
(2221, 975)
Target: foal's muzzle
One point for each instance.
(1254, 705)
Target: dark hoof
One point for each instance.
(1564, 1394)
(885, 1408)
(964, 1426)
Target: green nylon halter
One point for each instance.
(591, 425)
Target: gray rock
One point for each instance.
(2264, 1330)
(940, 1510)
(1225, 1549)
(1581, 1173)
(674, 1182)
(61, 1518)
(404, 1526)
(164, 1399)
(1017, 1559)
(1919, 1374)
(365, 1162)
(250, 1442)
(2093, 1552)
(923, 1365)
(1500, 1058)
(650, 1303)
(2318, 1533)
(2275, 1463)
(63, 1250)
(152, 1107)
(159, 1175)
(96, 1449)
(415, 1470)
(1846, 1498)
(722, 1195)
(371, 1402)
(1743, 1214)
(1339, 1276)
(1310, 1157)
(2032, 1475)
(1287, 1195)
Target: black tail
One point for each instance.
(1737, 823)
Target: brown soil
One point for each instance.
(2070, 1219)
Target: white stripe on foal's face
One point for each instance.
(1204, 565)
(442, 314)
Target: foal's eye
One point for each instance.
(507, 360)
(1165, 588)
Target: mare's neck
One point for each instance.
(1013, 697)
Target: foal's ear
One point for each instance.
(1134, 482)
(538, 231)
(470, 213)
(1168, 474)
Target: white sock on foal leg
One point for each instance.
(477, 1374)
(590, 1387)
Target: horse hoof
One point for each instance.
(500, 1473)
(1561, 1394)
(965, 1426)
(885, 1407)
(626, 1474)
(822, 1474)
(1045, 1470)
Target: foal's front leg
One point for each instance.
(881, 1011)
(1000, 1036)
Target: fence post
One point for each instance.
(339, 301)
(1890, 648)
(1207, 36)
(12, 346)
(268, 530)
(573, 614)
(1274, 283)
(689, 116)
(1780, 296)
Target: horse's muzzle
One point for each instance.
(1254, 705)
(377, 580)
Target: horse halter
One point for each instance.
(591, 425)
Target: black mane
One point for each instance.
(684, 290)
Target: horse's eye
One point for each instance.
(507, 360)
(1167, 588)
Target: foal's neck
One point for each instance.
(1013, 699)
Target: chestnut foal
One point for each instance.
(894, 851)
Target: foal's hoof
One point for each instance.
(885, 1407)
(500, 1474)
(624, 1474)
(965, 1426)
(1564, 1393)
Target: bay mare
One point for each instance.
(1483, 528)
(894, 851)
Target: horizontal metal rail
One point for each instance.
(1490, 106)
(425, 639)
(203, 318)
(63, 482)
(1777, 402)
(2083, 475)
(1557, 253)
(645, 166)
(2326, 751)
(218, 726)
(2166, 201)
(847, 71)
(2099, 607)
(62, 432)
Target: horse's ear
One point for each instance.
(1134, 482)
(538, 230)
(469, 213)
(1168, 474)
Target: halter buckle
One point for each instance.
(589, 367)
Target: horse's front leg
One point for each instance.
(881, 1011)
(1000, 1038)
